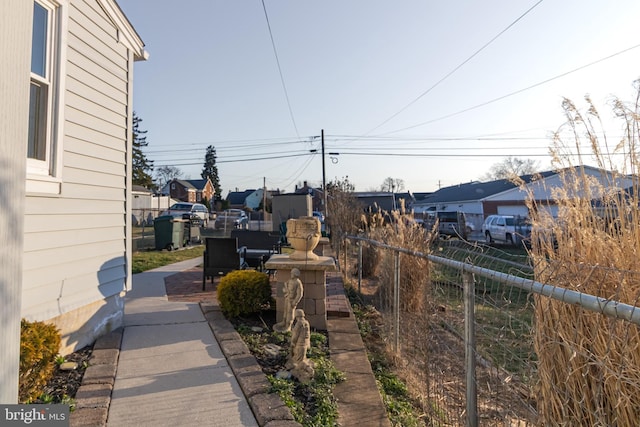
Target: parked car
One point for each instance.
(197, 209)
(508, 229)
(232, 218)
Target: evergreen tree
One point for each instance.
(141, 167)
(210, 170)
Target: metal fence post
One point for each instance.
(396, 301)
(359, 266)
(468, 282)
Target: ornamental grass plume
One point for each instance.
(589, 364)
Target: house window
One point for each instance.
(42, 94)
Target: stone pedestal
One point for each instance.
(313, 277)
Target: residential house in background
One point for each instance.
(481, 199)
(404, 199)
(238, 199)
(66, 111)
(255, 199)
(376, 201)
(250, 199)
(317, 197)
(190, 190)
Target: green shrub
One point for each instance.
(39, 346)
(244, 292)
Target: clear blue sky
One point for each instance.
(392, 83)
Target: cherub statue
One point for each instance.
(300, 366)
(293, 290)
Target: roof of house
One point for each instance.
(140, 189)
(422, 195)
(127, 34)
(198, 184)
(238, 197)
(477, 190)
(186, 184)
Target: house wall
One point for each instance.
(75, 241)
(254, 199)
(286, 206)
(15, 60)
(178, 191)
(492, 207)
(208, 191)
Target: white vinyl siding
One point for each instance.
(75, 245)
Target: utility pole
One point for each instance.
(324, 179)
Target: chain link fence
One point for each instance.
(481, 342)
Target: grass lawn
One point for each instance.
(148, 260)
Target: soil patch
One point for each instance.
(63, 385)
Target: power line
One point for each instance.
(448, 155)
(346, 150)
(386, 139)
(514, 93)
(237, 160)
(298, 172)
(275, 52)
(446, 76)
(223, 148)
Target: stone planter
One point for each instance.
(303, 234)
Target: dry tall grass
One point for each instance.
(589, 365)
(401, 232)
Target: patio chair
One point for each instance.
(221, 256)
(260, 246)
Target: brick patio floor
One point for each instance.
(187, 287)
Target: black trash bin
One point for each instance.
(168, 232)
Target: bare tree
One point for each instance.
(344, 210)
(164, 174)
(392, 185)
(511, 167)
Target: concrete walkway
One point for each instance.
(172, 365)
(171, 370)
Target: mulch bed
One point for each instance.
(65, 384)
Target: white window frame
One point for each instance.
(44, 176)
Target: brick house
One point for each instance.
(190, 190)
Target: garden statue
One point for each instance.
(292, 290)
(300, 366)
